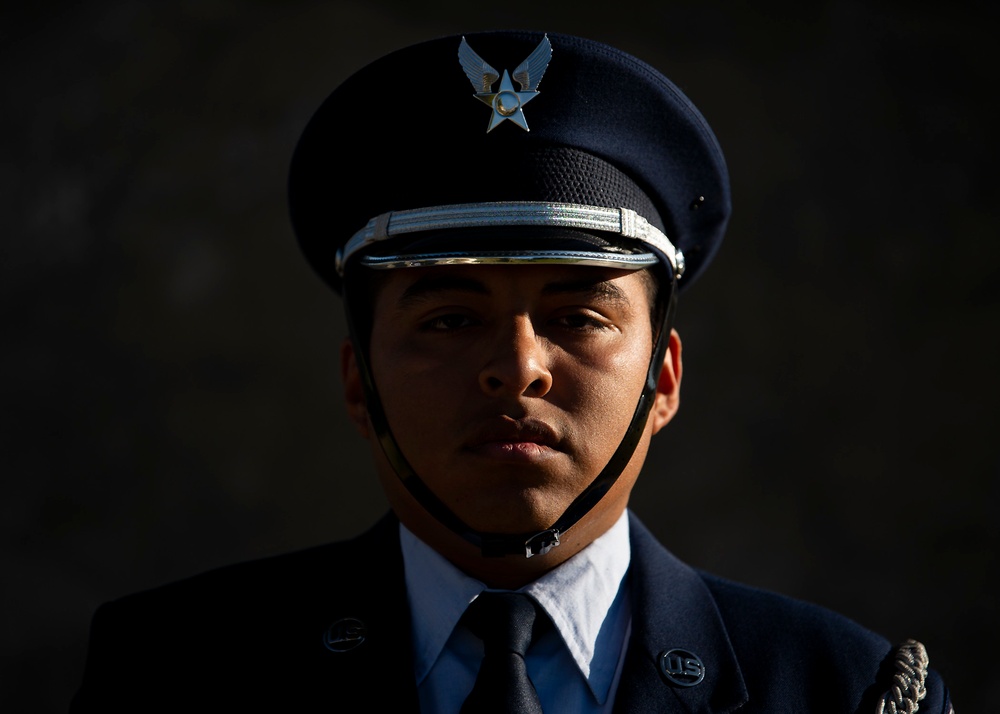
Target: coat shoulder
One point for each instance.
(783, 623)
(247, 584)
(268, 630)
(780, 640)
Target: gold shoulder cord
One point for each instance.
(907, 687)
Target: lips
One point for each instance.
(527, 438)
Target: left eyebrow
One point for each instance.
(602, 290)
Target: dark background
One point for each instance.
(170, 379)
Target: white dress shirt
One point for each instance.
(575, 667)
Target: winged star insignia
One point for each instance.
(507, 103)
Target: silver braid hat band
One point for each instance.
(620, 221)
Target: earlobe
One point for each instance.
(354, 393)
(668, 389)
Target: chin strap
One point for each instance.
(501, 544)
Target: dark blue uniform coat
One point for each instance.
(253, 636)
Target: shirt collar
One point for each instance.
(577, 596)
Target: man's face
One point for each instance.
(508, 388)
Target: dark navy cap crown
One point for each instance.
(605, 130)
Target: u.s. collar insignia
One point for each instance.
(506, 103)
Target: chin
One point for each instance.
(516, 513)
(526, 526)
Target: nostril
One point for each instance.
(537, 387)
(493, 383)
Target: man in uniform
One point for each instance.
(509, 218)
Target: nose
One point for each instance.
(518, 363)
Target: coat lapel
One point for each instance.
(363, 632)
(673, 612)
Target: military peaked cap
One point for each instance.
(512, 147)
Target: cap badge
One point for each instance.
(506, 103)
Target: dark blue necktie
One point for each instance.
(507, 623)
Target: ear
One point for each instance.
(668, 388)
(354, 392)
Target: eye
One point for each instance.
(581, 322)
(448, 322)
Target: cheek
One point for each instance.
(609, 375)
(411, 374)
(603, 394)
(418, 392)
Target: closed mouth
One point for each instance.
(513, 433)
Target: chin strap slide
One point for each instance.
(496, 545)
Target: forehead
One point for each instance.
(403, 288)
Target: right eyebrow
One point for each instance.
(430, 286)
